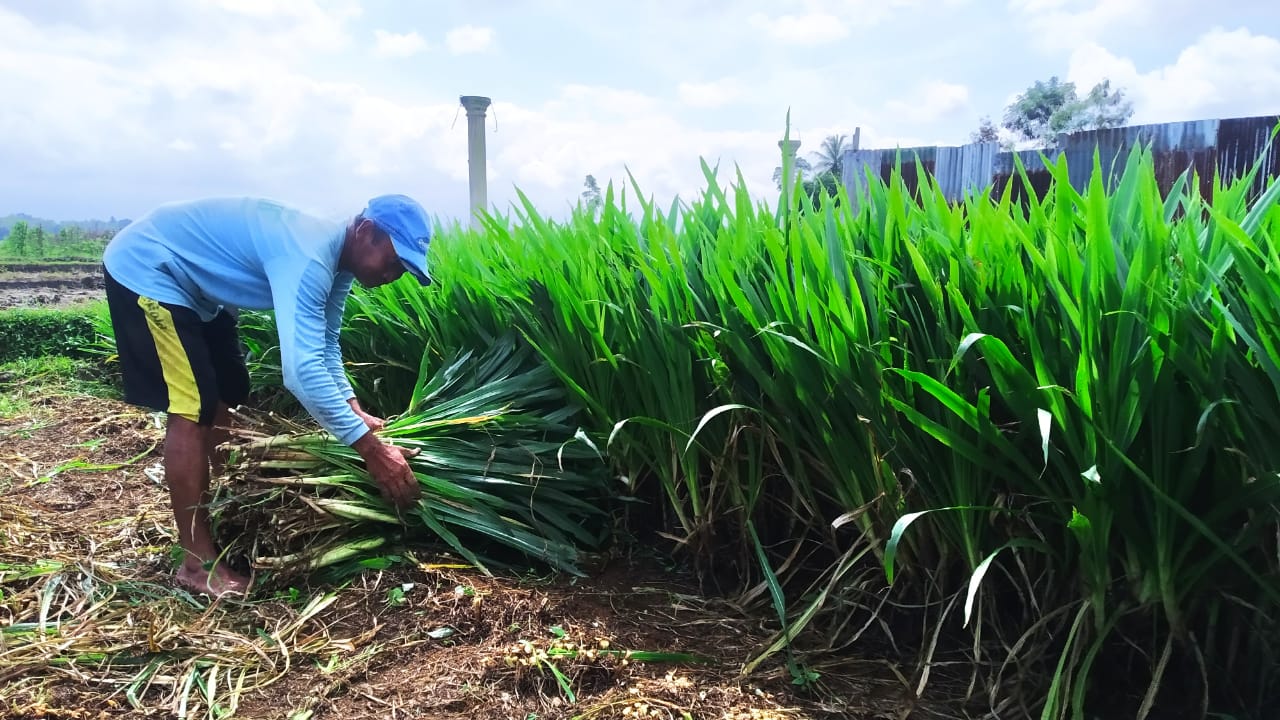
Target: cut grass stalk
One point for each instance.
(495, 457)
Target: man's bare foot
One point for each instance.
(218, 582)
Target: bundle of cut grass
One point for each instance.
(499, 461)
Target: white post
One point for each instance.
(789, 148)
(476, 106)
(852, 169)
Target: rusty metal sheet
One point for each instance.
(1176, 144)
(1203, 147)
(1242, 143)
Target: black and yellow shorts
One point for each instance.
(171, 360)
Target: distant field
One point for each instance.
(38, 266)
(27, 284)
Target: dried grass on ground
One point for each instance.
(90, 626)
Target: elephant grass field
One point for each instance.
(1019, 448)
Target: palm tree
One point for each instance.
(828, 160)
(830, 156)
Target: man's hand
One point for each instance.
(373, 423)
(389, 469)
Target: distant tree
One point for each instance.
(37, 242)
(828, 160)
(1031, 114)
(18, 238)
(986, 132)
(1049, 108)
(801, 166)
(830, 156)
(592, 194)
(824, 185)
(1103, 107)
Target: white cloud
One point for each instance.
(150, 122)
(1224, 74)
(819, 22)
(1065, 24)
(713, 94)
(931, 101)
(242, 96)
(601, 101)
(809, 29)
(290, 25)
(249, 122)
(548, 149)
(468, 39)
(397, 45)
(1037, 6)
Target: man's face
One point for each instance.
(377, 262)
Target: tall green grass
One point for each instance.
(1049, 424)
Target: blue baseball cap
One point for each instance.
(409, 228)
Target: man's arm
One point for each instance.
(333, 313)
(301, 296)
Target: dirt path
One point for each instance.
(79, 492)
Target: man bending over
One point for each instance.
(176, 278)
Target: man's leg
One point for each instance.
(226, 354)
(219, 434)
(225, 378)
(187, 460)
(166, 365)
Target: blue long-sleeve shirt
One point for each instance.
(250, 253)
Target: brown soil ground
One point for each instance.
(431, 640)
(51, 285)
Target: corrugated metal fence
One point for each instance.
(1229, 147)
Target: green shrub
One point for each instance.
(31, 333)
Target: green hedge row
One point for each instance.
(27, 333)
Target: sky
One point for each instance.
(111, 107)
